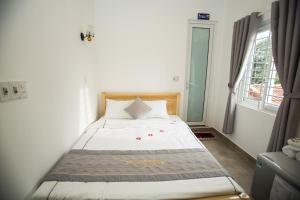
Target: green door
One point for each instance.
(196, 85)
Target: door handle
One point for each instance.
(192, 84)
(188, 85)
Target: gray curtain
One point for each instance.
(285, 27)
(244, 32)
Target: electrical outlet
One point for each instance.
(14, 90)
(5, 92)
(18, 89)
(175, 78)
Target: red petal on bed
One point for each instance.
(150, 134)
(161, 131)
(138, 138)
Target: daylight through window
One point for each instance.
(260, 87)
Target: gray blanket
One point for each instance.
(135, 166)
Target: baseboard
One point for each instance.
(233, 145)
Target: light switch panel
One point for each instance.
(5, 92)
(21, 85)
(12, 90)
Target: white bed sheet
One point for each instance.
(146, 134)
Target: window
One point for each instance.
(260, 87)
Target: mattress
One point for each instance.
(144, 134)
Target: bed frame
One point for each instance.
(173, 99)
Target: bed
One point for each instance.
(160, 137)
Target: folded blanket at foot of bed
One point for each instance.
(288, 151)
(291, 152)
(298, 156)
(135, 166)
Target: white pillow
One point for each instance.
(158, 109)
(115, 109)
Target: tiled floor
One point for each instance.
(239, 167)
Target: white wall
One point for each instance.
(141, 45)
(40, 44)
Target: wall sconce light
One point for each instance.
(89, 35)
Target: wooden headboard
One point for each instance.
(172, 99)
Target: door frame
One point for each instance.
(201, 24)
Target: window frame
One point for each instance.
(261, 105)
(265, 105)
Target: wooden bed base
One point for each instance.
(173, 105)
